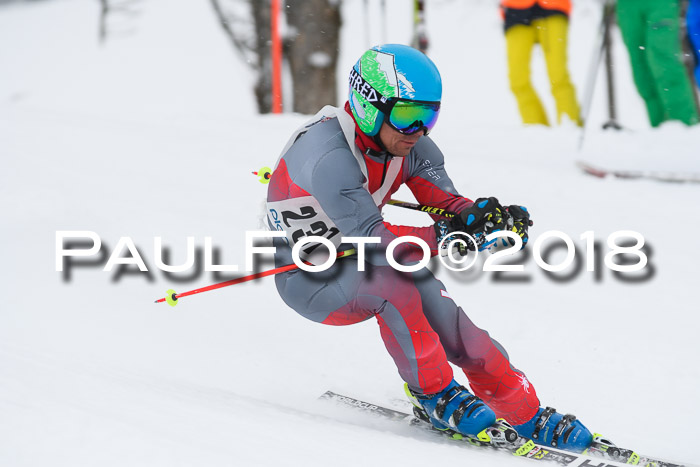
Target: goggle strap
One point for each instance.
(363, 88)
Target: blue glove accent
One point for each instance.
(442, 229)
(483, 203)
(470, 219)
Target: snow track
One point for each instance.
(155, 134)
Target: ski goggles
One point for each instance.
(408, 117)
(403, 115)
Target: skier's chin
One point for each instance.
(403, 148)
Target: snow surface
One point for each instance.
(155, 134)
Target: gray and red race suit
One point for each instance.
(332, 181)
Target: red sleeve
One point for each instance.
(430, 194)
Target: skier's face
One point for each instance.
(397, 143)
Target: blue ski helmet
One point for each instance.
(392, 73)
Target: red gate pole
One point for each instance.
(276, 58)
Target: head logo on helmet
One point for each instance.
(388, 73)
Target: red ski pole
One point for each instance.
(172, 297)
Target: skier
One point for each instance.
(651, 32)
(527, 22)
(332, 179)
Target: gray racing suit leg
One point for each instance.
(343, 295)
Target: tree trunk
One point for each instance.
(263, 48)
(313, 52)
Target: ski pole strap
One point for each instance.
(542, 421)
(564, 426)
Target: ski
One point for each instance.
(601, 453)
(657, 175)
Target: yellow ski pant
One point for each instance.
(551, 33)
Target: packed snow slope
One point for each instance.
(155, 134)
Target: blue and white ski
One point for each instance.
(602, 453)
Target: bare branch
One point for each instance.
(243, 48)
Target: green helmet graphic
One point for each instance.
(387, 72)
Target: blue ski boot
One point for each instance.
(550, 428)
(454, 408)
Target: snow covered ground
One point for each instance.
(155, 134)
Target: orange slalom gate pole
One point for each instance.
(276, 58)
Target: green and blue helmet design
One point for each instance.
(386, 73)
